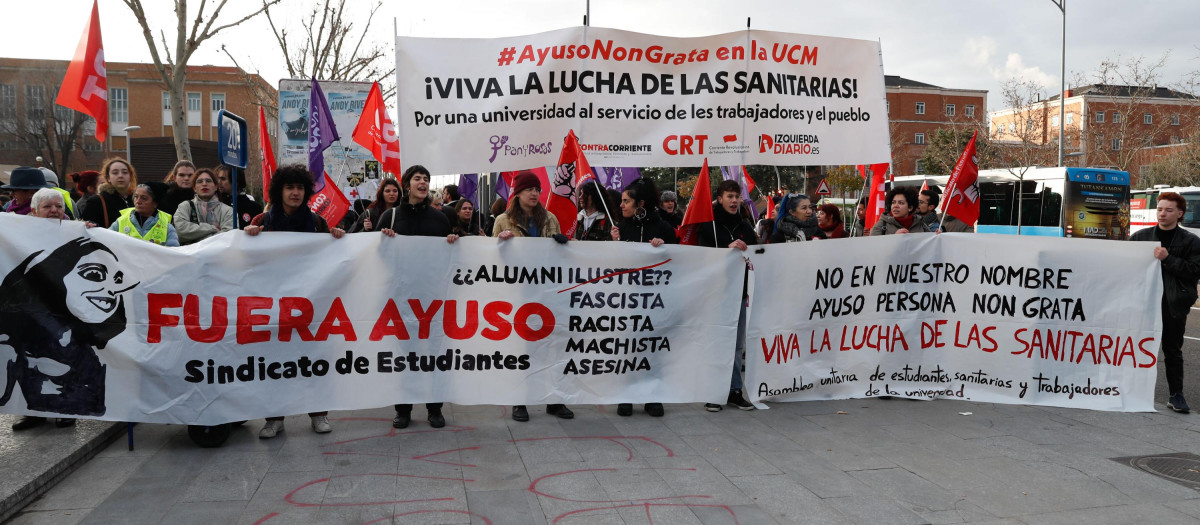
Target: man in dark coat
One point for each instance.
(1179, 253)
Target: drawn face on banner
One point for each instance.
(94, 287)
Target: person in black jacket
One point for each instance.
(291, 189)
(640, 222)
(115, 193)
(594, 223)
(415, 215)
(669, 209)
(1179, 253)
(179, 186)
(386, 198)
(247, 207)
(729, 230)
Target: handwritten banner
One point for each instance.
(750, 97)
(97, 324)
(994, 318)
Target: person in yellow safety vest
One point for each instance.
(52, 181)
(144, 220)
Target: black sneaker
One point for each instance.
(625, 409)
(712, 407)
(436, 419)
(64, 422)
(1177, 403)
(560, 410)
(401, 420)
(28, 422)
(655, 409)
(736, 400)
(520, 413)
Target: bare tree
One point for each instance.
(1125, 89)
(1021, 138)
(173, 70)
(50, 131)
(335, 48)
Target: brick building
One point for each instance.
(916, 110)
(1106, 126)
(136, 97)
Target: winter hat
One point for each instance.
(25, 178)
(158, 190)
(51, 177)
(525, 180)
(669, 196)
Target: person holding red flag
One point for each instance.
(526, 217)
(729, 230)
(699, 210)
(573, 170)
(85, 86)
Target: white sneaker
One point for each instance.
(320, 425)
(271, 429)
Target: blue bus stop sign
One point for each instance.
(231, 139)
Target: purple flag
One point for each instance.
(468, 185)
(321, 133)
(502, 189)
(617, 178)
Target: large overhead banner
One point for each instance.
(751, 97)
(993, 318)
(97, 324)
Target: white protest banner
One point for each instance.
(994, 318)
(97, 324)
(750, 97)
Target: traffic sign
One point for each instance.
(823, 188)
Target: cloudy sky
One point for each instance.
(974, 44)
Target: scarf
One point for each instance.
(906, 222)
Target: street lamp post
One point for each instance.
(129, 142)
(1062, 92)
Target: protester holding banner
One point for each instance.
(901, 220)
(464, 223)
(205, 215)
(416, 216)
(247, 208)
(179, 186)
(48, 204)
(729, 230)
(291, 188)
(795, 222)
(1179, 255)
(594, 222)
(386, 198)
(669, 210)
(115, 193)
(52, 183)
(526, 217)
(145, 221)
(640, 222)
(829, 220)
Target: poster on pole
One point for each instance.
(633, 99)
(350, 165)
(993, 318)
(98, 324)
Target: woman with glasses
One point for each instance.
(204, 215)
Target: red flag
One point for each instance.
(699, 210)
(85, 86)
(265, 153)
(329, 203)
(749, 181)
(573, 170)
(962, 190)
(876, 203)
(376, 132)
(925, 185)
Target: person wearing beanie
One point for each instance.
(144, 220)
(669, 209)
(526, 217)
(414, 214)
(829, 220)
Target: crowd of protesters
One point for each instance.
(193, 204)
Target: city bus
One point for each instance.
(1143, 203)
(1054, 202)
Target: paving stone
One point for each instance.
(1157, 514)
(787, 502)
(505, 507)
(730, 456)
